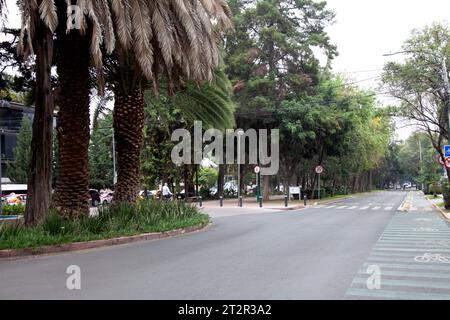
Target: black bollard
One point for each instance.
(200, 201)
(286, 201)
(260, 201)
(304, 198)
(240, 201)
(221, 202)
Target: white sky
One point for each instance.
(367, 29)
(364, 30)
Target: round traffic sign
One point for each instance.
(257, 169)
(440, 160)
(319, 169)
(447, 163)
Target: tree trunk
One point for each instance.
(128, 130)
(71, 197)
(40, 168)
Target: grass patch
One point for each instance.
(113, 221)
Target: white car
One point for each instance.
(106, 198)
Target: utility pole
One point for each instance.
(421, 159)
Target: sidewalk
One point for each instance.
(437, 203)
(250, 206)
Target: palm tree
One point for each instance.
(210, 103)
(74, 50)
(40, 34)
(177, 40)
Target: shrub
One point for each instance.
(446, 195)
(435, 188)
(54, 225)
(13, 210)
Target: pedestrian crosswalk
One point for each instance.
(373, 207)
(411, 260)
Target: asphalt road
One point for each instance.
(306, 254)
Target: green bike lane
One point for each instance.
(411, 259)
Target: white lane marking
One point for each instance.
(341, 207)
(352, 208)
(376, 208)
(364, 208)
(330, 207)
(387, 208)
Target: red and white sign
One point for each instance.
(440, 160)
(319, 169)
(447, 163)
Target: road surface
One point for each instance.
(317, 253)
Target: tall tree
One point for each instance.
(270, 57)
(421, 83)
(39, 31)
(177, 40)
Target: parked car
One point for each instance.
(149, 194)
(15, 199)
(106, 198)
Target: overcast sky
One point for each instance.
(364, 30)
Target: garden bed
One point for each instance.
(112, 222)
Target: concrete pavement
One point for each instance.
(308, 254)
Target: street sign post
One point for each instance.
(258, 183)
(319, 171)
(447, 163)
(446, 151)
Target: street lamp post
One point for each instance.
(240, 134)
(444, 71)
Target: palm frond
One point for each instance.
(47, 12)
(210, 103)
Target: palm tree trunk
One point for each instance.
(128, 130)
(71, 198)
(40, 168)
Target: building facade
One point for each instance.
(11, 114)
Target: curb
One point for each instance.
(406, 204)
(299, 207)
(78, 246)
(443, 214)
